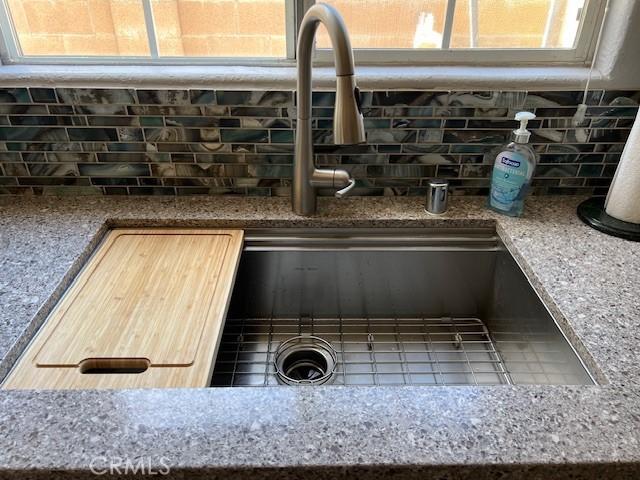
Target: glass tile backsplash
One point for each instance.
(79, 141)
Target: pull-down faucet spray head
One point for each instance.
(348, 124)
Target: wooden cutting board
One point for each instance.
(146, 311)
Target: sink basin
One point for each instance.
(396, 307)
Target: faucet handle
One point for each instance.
(345, 191)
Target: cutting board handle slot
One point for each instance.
(101, 366)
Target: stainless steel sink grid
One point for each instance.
(430, 307)
(441, 351)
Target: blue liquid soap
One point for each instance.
(513, 171)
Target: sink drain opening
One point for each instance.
(305, 365)
(305, 360)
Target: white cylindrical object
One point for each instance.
(623, 199)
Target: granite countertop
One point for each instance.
(588, 280)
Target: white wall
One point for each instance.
(619, 56)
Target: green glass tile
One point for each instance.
(14, 95)
(151, 121)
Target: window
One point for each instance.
(263, 31)
(143, 30)
(469, 31)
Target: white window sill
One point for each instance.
(284, 78)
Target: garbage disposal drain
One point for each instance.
(305, 360)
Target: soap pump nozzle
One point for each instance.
(522, 135)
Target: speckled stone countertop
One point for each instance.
(588, 280)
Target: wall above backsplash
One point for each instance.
(74, 141)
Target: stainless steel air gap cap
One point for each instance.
(437, 196)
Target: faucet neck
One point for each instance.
(343, 54)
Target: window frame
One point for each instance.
(581, 54)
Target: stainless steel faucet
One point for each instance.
(348, 125)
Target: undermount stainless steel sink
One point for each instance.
(393, 307)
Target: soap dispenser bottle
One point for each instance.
(513, 171)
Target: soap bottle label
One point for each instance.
(508, 179)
